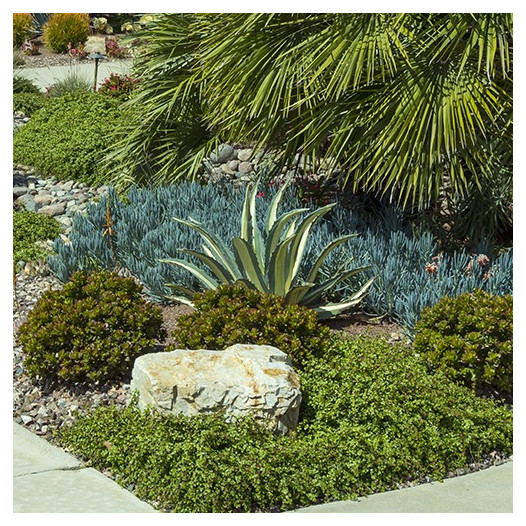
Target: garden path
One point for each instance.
(45, 76)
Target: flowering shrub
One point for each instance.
(118, 86)
(62, 28)
(113, 50)
(22, 28)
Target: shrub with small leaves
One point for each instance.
(374, 418)
(470, 339)
(64, 28)
(234, 314)
(91, 330)
(23, 26)
(28, 103)
(28, 229)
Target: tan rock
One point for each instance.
(241, 380)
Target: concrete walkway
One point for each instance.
(46, 479)
(44, 77)
(486, 491)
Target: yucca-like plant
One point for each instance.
(269, 261)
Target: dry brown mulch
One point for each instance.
(351, 324)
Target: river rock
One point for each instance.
(19, 190)
(243, 379)
(53, 210)
(27, 202)
(245, 154)
(245, 167)
(43, 199)
(222, 154)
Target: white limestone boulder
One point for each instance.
(243, 379)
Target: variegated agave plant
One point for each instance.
(268, 261)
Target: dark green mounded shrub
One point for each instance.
(234, 314)
(146, 233)
(29, 228)
(470, 339)
(66, 138)
(28, 103)
(22, 84)
(373, 418)
(91, 330)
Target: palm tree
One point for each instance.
(404, 104)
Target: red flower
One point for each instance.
(431, 268)
(483, 260)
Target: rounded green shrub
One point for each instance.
(373, 418)
(64, 28)
(67, 137)
(470, 339)
(91, 330)
(22, 84)
(29, 228)
(234, 314)
(23, 26)
(28, 103)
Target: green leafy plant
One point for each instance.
(64, 28)
(22, 84)
(28, 103)
(72, 132)
(28, 229)
(89, 331)
(234, 314)
(372, 418)
(470, 339)
(269, 261)
(23, 26)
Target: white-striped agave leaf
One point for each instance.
(269, 261)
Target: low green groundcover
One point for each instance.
(29, 228)
(371, 417)
(66, 138)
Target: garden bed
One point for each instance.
(384, 406)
